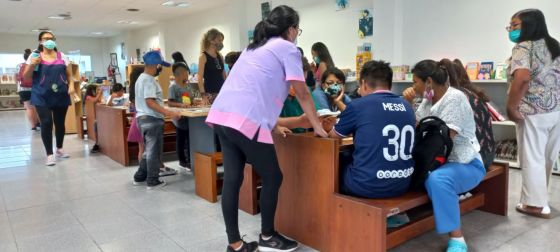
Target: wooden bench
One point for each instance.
(208, 184)
(311, 210)
(361, 224)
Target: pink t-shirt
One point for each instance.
(254, 92)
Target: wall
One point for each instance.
(321, 22)
(16, 43)
(470, 30)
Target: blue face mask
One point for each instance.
(49, 44)
(317, 60)
(514, 35)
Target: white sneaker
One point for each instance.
(61, 154)
(50, 160)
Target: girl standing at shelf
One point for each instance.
(24, 90)
(533, 103)
(48, 68)
(246, 111)
(180, 95)
(211, 74)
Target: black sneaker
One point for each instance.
(277, 243)
(246, 247)
(95, 149)
(186, 166)
(159, 185)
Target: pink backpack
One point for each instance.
(22, 81)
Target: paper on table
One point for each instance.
(327, 112)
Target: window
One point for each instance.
(9, 62)
(84, 61)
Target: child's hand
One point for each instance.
(282, 130)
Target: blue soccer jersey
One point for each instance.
(382, 125)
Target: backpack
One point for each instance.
(432, 146)
(21, 79)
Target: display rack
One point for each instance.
(75, 111)
(9, 98)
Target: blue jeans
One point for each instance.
(152, 135)
(444, 185)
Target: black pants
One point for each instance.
(238, 150)
(47, 116)
(183, 148)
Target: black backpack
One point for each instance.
(432, 146)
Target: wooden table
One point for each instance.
(201, 136)
(112, 132)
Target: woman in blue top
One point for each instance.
(50, 93)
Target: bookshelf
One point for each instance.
(75, 111)
(163, 78)
(9, 98)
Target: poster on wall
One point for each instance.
(265, 10)
(123, 57)
(365, 23)
(341, 4)
(251, 34)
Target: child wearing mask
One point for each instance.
(180, 94)
(331, 94)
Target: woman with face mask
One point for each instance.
(464, 169)
(50, 92)
(534, 105)
(322, 60)
(211, 74)
(331, 95)
(246, 112)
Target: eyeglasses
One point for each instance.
(299, 31)
(512, 27)
(333, 82)
(43, 39)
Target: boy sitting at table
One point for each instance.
(118, 97)
(382, 125)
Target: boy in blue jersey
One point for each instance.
(382, 125)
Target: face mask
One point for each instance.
(49, 44)
(158, 71)
(317, 60)
(219, 46)
(332, 90)
(514, 35)
(429, 94)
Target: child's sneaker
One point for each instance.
(61, 154)
(50, 160)
(456, 246)
(245, 247)
(159, 185)
(166, 171)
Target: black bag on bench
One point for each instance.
(432, 146)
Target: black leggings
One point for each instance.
(183, 148)
(238, 150)
(47, 116)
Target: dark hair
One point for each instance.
(276, 24)
(179, 61)
(451, 71)
(117, 87)
(90, 91)
(136, 72)
(429, 68)
(376, 72)
(301, 51)
(465, 83)
(26, 54)
(40, 47)
(231, 58)
(323, 53)
(533, 27)
(334, 71)
(304, 61)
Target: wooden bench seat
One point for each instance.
(361, 224)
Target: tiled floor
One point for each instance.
(87, 203)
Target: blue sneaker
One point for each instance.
(456, 246)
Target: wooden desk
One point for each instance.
(201, 136)
(112, 130)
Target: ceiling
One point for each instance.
(89, 16)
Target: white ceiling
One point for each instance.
(90, 15)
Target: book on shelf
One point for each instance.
(485, 70)
(496, 116)
(500, 72)
(507, 149)
(472, 69)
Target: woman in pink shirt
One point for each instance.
(246, 111)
